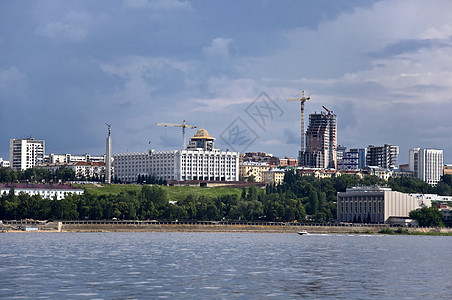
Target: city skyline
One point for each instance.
(68, 67)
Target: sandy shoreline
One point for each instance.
(226, 228)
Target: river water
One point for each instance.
(223, 266)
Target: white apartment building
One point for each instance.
(376, 204)
(26, 153)
(427, 164)
(4, 163)
(199, 161)
(57, 192)
(83, 170)
(67, 158)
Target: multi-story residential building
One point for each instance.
(288, 162)
(354, 159)
(83, 170)
(427, 164)
(321, 142)
(4, 163)
(433, 197)
(255, 169)
(375, 205)
(447, 170)
(261, 157)
(53, 192)
(67, 158)
(26, 153)
(340, 152)
(274, 176)
(349, 161)
(382, 156)
(199, 161)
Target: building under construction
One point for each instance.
(321, 141)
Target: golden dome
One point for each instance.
(202, 134)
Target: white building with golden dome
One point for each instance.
(200, 160)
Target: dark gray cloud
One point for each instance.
(67, 67)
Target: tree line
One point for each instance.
(299, 198)
(36, 175)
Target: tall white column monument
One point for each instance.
(108, 157)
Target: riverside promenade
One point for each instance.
(207, 226)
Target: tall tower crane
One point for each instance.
(183, 125)
(329, 111)
(302, 100)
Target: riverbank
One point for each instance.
(272, 227)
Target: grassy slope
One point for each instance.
(175, 192)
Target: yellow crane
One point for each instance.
(302, 100)
(183, 125)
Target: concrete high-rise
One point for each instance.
(321, 141)
(427, 164)
(354, 159)
(26, 153)
(385, 157)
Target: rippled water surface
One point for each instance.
(223, 266)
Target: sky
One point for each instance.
(68, 67)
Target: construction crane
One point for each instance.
(302, 100)
(329, 111)
(183, 125)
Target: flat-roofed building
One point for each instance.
(4, 163)
(375, 205)
(83, 170)
(255, 169)
(385, 157)
(274, 176)
(26, 153)
(67, 158)
(427, 164)
(53, 192)
(199, 161)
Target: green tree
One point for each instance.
(251, 178)
(313, 203)
(428, 216)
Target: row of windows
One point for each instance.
(361, 207)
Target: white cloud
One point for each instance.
(218, 48)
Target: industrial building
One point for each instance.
(200, 160)
(26, 153)
(427, 164)
(376, 205)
